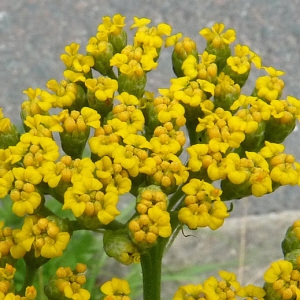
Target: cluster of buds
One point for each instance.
(7, 285)
(67, 284)
(99, 134)
(282, 279)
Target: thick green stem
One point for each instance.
(151, 262)
(29, 276)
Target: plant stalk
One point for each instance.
(28, 280)
(151, 262)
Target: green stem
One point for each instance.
(151, 262)
(29, 276)
(175, 199)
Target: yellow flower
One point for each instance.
(243, 121)
(63, 170)
(131, 117)
(128, 99)
(137, 141)
(105, 139)
(112, 25)
(206, 86)
(283, 170)
(191, 292)
(68, 283)
(116, 289)
(85, 198)
(25, 195)
(65, 92)
(160, 219)
(216, 37)
(35, 150)
(167, 140)
(237, 169)
(119, 59)
(189, 67)
(6, 183)
(225, 288)
(282, 279)
(73, 76)
(168, 110)
(269, 87)
(76, 62)
(103, 88)
(192, 94)
(202, 205)
(216, 126)
(5, 124)
(251, 292)
(44, 235)
(225, 89)
(280, 269)
(261, 182)
(146, 228)
(90, 117)
(127, 159)
(42, 125)
(172, 40)
(140, 22)
(39, 102)
(169, 172)
(112, 175)
(6, 241)
(271, 149)
(151, 196)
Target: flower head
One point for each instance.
(216, 36)
(202, 206)
(116, 289)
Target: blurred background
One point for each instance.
(33, 34)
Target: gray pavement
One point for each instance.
(33, 34)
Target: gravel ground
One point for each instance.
(33, 34)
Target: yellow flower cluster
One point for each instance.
(202, 205)
(225, 288)
(283, 279)
(134, 60)
(116, 289)
(43, 236)
(163, 151)
(7, 274)
(153, 220)
(67, 283)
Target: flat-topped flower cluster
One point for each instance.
(180, 154)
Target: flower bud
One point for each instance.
(9, 135)
(234, 191)
(294, 258)
(118, 41)
(100, 94)
(118, 245)
(73, 144)
(271, 294)
(255, 141)
(291, 240)
(221, 53)
(276, 131)
(182, 50)
(102, 52)
(239, 77)
(133, 84)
